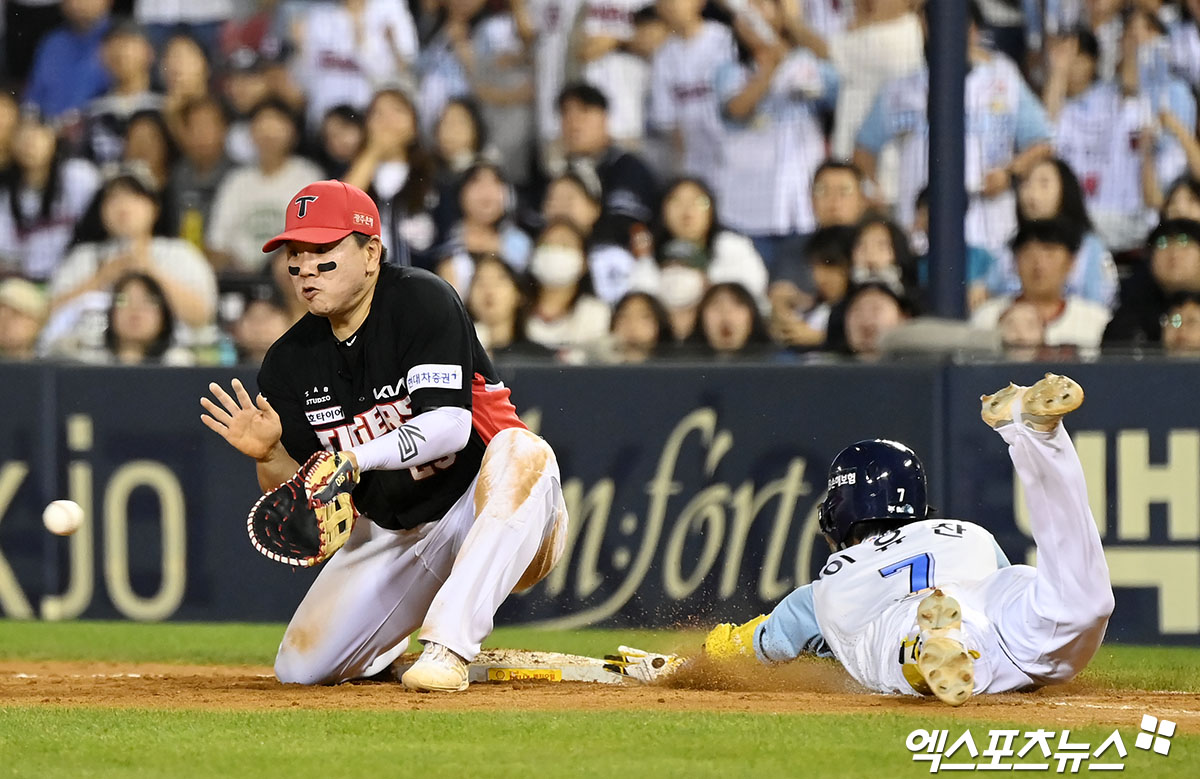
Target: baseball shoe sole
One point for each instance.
(1040, 407)
(437, 670)
(944, 663)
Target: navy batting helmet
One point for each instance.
(875, 480)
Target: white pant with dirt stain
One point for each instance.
(448, 577)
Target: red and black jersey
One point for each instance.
(416, 351)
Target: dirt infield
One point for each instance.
(803, 689)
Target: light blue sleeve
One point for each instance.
(1033, 126)
(1182, 102)
(873, 133)
(791, 630)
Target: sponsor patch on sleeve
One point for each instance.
(324, 416)
(434, 376)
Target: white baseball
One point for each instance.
(63, 517)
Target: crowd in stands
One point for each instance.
(601, 180)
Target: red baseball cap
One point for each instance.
(326, 212)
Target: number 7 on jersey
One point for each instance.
(920, 574)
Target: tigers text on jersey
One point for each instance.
(862, 598)
(416, 351)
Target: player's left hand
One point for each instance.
(326, 476)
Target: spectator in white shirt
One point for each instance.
(245, 212)
(611, 66)
(774, 139)
(130, 240)
(41, 199)
(348, 49)
(683, 101)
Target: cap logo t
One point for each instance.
(302, 205)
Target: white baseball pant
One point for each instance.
(1050, 619)
(448, 577)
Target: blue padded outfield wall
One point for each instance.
(692, 489)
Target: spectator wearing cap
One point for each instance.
(131, 239)
(628, 188)
(346, 50)
(202, 166)
(128, 57)
(245, 211)
(67, 69)
(1174, 267)
(46, 193)
(23, 310)
(1181, 325)
(801, 321)
(1044, 253)
(873, 310)
(772, 101)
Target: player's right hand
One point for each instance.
(254, 430)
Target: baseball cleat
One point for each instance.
(436, 670)
(944, 662)
(1040, 407)
(948, 669)
(939, 611)
(728, 641)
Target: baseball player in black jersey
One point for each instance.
(465, 503)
